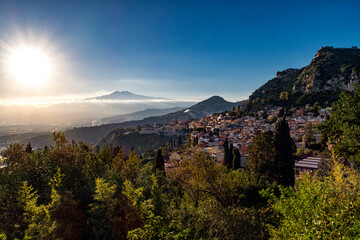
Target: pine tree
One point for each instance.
(284, 159)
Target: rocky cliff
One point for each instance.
(331, 70)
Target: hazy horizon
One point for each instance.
(53, 55)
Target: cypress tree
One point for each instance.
(159, 160)
(236, 159)
(231, 157)
(230, 160)
(284, 159)
(225, 160)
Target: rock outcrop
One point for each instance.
(330, 70)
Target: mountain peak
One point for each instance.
(213, 99)
(212, 104)
(116, 92)
(330, 70)
(123, 95)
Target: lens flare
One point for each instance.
(29, 66)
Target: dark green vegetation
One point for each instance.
(232, 157)
(72, 191)
(76, 191)
(326, 206)
(320, 207)
(132, 139)
(272, 155)
(331, 70)
(342, 130)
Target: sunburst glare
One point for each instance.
(29, 66)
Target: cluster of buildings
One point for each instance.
(209, 133)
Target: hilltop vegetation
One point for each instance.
(331, 70)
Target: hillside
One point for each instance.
(331, 70)
(211, 105)
(136, 115)
(128, 140)
(85, 134)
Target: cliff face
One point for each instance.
(331, 69)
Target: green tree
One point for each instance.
(309, 135)
(284, 159)
(236, 159)
(99, 221)
(70, 218)
(227, 158)
(15, 155)
(41, 224)
(28, 148)
(159, 161)
(342, 129)
(262, 154)
(320, 208)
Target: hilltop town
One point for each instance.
(209, 133)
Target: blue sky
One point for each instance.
(178, 49)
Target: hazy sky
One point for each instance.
(175, 49)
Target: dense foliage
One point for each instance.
(320, 207)
(342, 129)
(76, 191)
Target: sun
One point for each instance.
(29, 66)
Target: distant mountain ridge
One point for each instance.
(96, 134)
(124, 95)
(331, 70)
(136, 115)
(209, 106)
